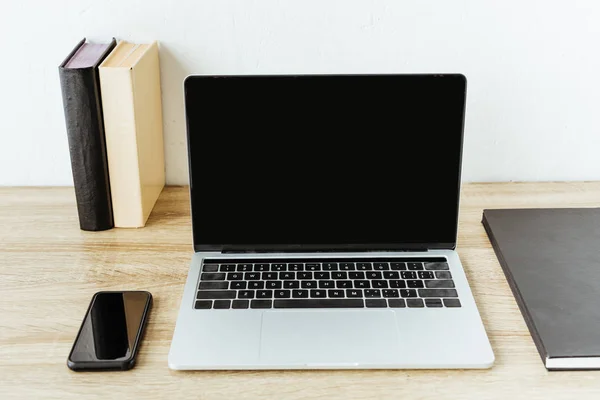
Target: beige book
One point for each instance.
(131, 101)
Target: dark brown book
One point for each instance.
(80, 87)
(552, 263)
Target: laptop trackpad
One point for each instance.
(329, 338)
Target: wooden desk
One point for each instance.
(49, 270)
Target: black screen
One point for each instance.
(366, 161)
(110, 328)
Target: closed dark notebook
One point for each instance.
(85, 130)
(551, 259)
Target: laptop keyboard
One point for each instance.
(326, 283)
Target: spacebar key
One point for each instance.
(319, 303)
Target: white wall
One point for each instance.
(533, 69)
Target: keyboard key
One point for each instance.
(278, 267)
(381, 266)
(235, 276)
(261, 304)
(203, 304)
(362, 284)
(330, 266)
(261, 267)
(318, 293)
(425, 275)
(291, 284)
(391, 275)
(326, 284)
(320, 303)
(217, 294)
(305, 275)
(300, 293)
(214, 285)
(308, 284)
(439, 283)
(244, 267)
(256, 285)
(343, 284)
(264, 294)
(364, 266)
(283, 294)
(414, 284)
(347, 266)
(287, 275)
(390, 293)
(312, 267)
(408, 275)
(240, 304)
(379, 284)
(398, 266)
(237, 285)
(414, 303)
(414, 266)
(339, 275)
(436, 266)
(269, 276)
(437, 293)
(354, 293)
(374, 275)
(408, 293)
(211, 276)
(274, 285)
(252, 276)
(246, 294)
(356, 275)
(372, 293)
(222, 304)
(210, 268)
(452, 302)
(397, 284)
(397, 303)
(433, 303)
(322, 275)
(443, 275)
(295, 267)
(335, 293)
(227, 268)
(379, 303)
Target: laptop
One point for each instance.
(325, 212)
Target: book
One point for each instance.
(551, 261)
(131, 97)
(81, 97)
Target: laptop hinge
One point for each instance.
(317, 249)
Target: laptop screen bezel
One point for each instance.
(320, 247)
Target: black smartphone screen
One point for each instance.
(111, 331)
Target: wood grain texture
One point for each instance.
(49, 270)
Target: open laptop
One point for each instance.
(325, 215)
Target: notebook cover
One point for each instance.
(551, 260)
(85, 131)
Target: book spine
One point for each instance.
(85, 132)
(122, 146)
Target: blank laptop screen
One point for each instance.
(327, 162)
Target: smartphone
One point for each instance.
(111, 331)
